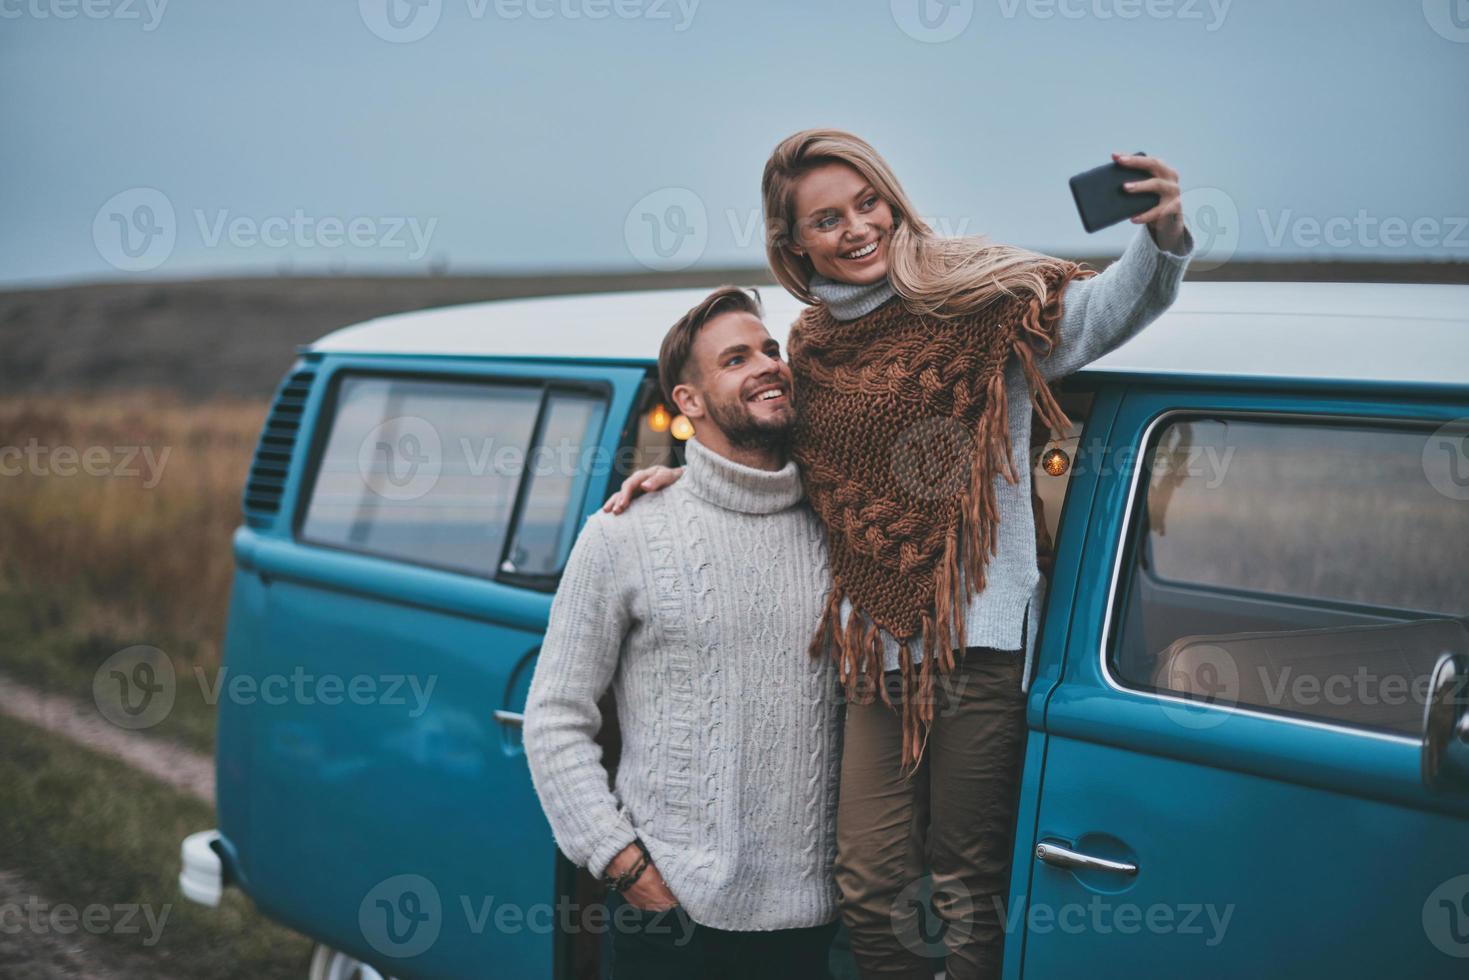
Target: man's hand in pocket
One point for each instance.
(649, 893)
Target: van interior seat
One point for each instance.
(1338, 674)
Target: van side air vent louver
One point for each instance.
(272, 461)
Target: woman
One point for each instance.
(916, 364)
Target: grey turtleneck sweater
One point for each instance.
(1098, 315)
(697, 606)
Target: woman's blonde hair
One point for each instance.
(933, 274)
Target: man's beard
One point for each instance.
(745, 431)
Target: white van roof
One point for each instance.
(1371, 332)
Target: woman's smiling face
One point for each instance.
(842, 224)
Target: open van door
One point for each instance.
(1261, 604)
(406, 524)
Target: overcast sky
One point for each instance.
(185, 138)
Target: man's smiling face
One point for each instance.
(740, 381)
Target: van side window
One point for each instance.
(432, 471)
(1307, 568)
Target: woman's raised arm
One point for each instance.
(1099, 314)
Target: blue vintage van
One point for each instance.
(1249, 752)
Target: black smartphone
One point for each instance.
(1100, 199)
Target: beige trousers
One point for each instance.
(954, 819)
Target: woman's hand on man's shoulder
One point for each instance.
(648, 480)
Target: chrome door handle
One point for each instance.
(1053, 853)
(512, 719)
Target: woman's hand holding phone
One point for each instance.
(1164, 219)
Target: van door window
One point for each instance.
(1291, 566)
(431, 471)
(556, 478)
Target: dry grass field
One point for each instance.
(129, 499)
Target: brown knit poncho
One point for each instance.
(901, 431)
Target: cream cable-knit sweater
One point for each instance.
(697, 606)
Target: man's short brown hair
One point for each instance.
(679, 341)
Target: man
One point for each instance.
(698, 606)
